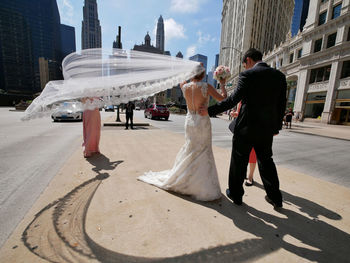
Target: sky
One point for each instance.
(191, 26)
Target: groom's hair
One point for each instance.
(252, 53)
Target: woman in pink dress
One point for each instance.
(91, 131)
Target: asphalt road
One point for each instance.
(324, 158)
(31, 154)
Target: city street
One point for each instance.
(31, 154)
(321, 157)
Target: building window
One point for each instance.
(331, 40)
(318, 45)
(322, 18)
(323, 1)
(345, 72)
(314, 104)
(320, 74)
(291, 56)
(336, 11)
(300, 52)
(348, 34)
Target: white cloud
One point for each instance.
(171, 30)
(202, 39)
(66, 11)
(191, 50)
(185, 6)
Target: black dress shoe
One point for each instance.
(249, 184)
(236, 201)
(275, 205)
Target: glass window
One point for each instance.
(300, 52)
(345, 72)
(331, 40)
(313, 110)
(291, 56)
(319, 96)
(343, 94)
(348, 34)
(323, 1)
(318, 45)
(336, 11)
(322, 18)
(320, 74)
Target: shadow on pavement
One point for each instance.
(58, 233)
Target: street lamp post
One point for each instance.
(240, 56)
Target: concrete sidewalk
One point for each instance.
(319, 129)
(96, 210)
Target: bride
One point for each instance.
(194, 172)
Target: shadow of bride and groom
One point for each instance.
(58, 231)
(302, 233)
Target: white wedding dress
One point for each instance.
(194, 172)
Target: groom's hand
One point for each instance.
(203, 111)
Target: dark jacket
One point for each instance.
(129, 107)
(262, 91)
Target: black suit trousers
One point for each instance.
(129, 116)
(241, 148)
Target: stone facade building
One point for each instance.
(317, 63)
(91, 28)
(261, 24)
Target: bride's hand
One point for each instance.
(222, 82)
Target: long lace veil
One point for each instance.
(111, 78)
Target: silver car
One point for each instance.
(68, 111)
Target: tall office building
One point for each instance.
(67, 40)
(261, 24)
(301, 9)
(160, 34)
(91, 29)
(118, 40)
(28, 30)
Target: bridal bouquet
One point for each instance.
(222, 72)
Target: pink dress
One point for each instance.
(252, 155)
(91, 131)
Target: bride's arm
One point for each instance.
(216, 95)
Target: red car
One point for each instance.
(157, 111)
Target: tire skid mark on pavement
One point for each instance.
(58, 234)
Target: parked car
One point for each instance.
(68, 111)
(109, 108)
(157, 111)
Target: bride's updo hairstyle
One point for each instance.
(199, 70)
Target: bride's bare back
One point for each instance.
(197, 95)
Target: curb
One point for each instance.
(122, 124)
(319, 135)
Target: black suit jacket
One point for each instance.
(262, 91)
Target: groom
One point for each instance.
(262, 91)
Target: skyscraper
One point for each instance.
(160, 34)
(28, 30)
(67, 40)
(260, 24)
(118, 41)
(91, 29)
